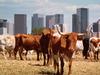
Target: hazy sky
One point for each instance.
(67, 7)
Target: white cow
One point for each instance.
(94, 47)
(7, 44)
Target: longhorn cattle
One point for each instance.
(27, 42)
(7, 44)
(61, 46)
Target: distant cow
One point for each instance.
(7, 44)
(94, 46)
(28, 42)
(91, 47)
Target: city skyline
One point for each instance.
(48, 7)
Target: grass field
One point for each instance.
(33, 67)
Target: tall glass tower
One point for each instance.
(82, 16)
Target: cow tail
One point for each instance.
(20, 41)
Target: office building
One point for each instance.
(96, 28)
(59, 19)
(75, 26)
(20, 23)
(10, 28)
(82, 18)
(37, 21)
(3, 26)
(50, 21)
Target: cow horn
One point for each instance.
(58, 30)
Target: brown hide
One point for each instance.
(95, 41)
(28, 42)
(64, 47)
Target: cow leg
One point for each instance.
(97, 55)
(20, 53)
(91, 54)
(26, 54)
(56, 64)
(48, 59)
(9, 51)
(62, 65)
(4, 52)
(37, 55)
(4, 55)
(15, 52)
(94, 55)
(44, 59)
(70, 64)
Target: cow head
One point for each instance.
(69, 41)
(94, 41)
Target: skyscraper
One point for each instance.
(37, 21)
(20, 23)
(75, 26)
(50, 20)
(10, 28)
(96, 28)
(3, 26)
(82, 16)
(59, 19)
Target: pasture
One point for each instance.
(34, 67)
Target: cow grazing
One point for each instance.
(28, 42)
(7, 44)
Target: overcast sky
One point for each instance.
(46, 7)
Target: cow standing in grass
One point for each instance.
(27, 42)
(61, 46)
(64, 47)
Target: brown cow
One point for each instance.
(28, 42)
(45, 44)
(61, 46)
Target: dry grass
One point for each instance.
(33, 67)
